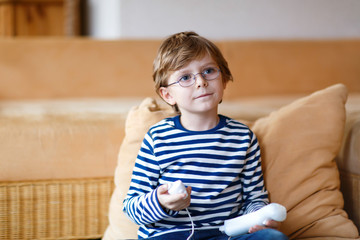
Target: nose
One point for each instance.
(200, 81)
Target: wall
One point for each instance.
(43, 68)
(226, 19)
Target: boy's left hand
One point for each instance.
(269, 224)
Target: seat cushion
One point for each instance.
(61, 139)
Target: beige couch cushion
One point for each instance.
(299, 143)
(349, 156)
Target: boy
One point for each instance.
(216, 157)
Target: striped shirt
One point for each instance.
(222, 165)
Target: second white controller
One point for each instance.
(241, 225)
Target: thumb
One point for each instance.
(163, 189)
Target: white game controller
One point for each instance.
(241, 225)
(176, 188)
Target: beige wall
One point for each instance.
(227, 19)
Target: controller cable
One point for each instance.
(192, 224)
(178, 187)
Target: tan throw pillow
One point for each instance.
(137, 124)
(298, 142)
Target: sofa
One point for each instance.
(73, 111)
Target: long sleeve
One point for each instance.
(141, 203)
(254, 194)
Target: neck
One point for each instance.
(195, 122)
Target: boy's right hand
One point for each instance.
(174, 202)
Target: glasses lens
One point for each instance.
(187, 80)
(210, 73)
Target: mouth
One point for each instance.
(203, 95)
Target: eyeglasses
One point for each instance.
(189, 79)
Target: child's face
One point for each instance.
(201, 97)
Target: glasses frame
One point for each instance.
(194, 78)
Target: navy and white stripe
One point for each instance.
(222, 165)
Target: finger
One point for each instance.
(176, 198)
(272, 224)
(188, 190)
(184, 205)
(177, 206)
(256, 228)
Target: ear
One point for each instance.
(165, 93)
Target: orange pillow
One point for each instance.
(298, 143)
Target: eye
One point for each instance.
(209, 71)
(185, 78)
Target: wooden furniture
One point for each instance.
(39, 18)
